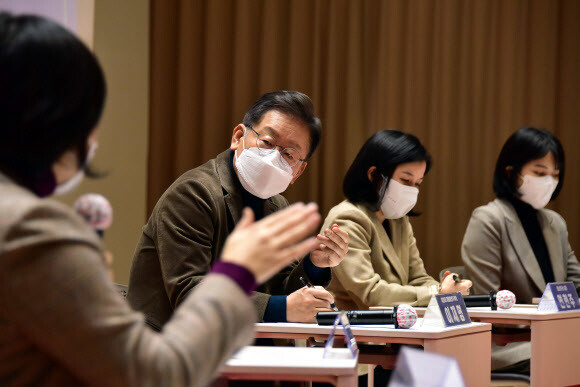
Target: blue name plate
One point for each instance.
(559, 296)
(452, 309)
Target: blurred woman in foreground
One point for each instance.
(62, 321)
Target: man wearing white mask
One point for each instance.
(515, 243)
(192, 219)
(382, 266)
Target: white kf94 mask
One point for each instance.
(263, 172)
(399, 199)
(72, 183)
(537, 190)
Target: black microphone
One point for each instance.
(402, 316)
(503, 299)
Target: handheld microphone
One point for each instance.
(504, 299)
(402, 316)
(96, 210)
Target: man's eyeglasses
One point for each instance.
(266, 142)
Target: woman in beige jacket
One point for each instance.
(62, 321)
(383, 266)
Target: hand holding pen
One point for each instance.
(452, 282)
(303, 304)
(307, 283)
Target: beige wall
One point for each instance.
(86, 21)
(121, 42)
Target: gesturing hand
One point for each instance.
(332, 248)
(267, 246)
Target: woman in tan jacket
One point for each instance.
(62, 321)
(383, 266)
(513, 242)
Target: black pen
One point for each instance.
(306, 283)
(456, 278)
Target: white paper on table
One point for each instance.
(547, 302)
(416, 368)
(558, 297)
(433, 317)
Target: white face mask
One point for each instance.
(263, 173)
(537, 191)
(72, 183)
(399, 199)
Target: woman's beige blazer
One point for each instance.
(377, 270)
(497, 254)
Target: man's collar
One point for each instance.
(248, 197)
(228, 178)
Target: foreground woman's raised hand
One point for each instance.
(267, 246)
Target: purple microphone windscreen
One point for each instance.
(96, 210)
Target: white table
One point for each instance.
(469, 344)
(555, 341)
(291, 363)
(554, 337)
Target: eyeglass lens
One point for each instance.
(267, 142)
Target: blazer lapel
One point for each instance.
(552, 239)
(522, 246)
(234, 204)
(230, 186)
(270, 207)
(388, 249)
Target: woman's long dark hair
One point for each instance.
(385, 150)
(525, 145)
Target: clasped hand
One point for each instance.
(332, 248)
(448, 284)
